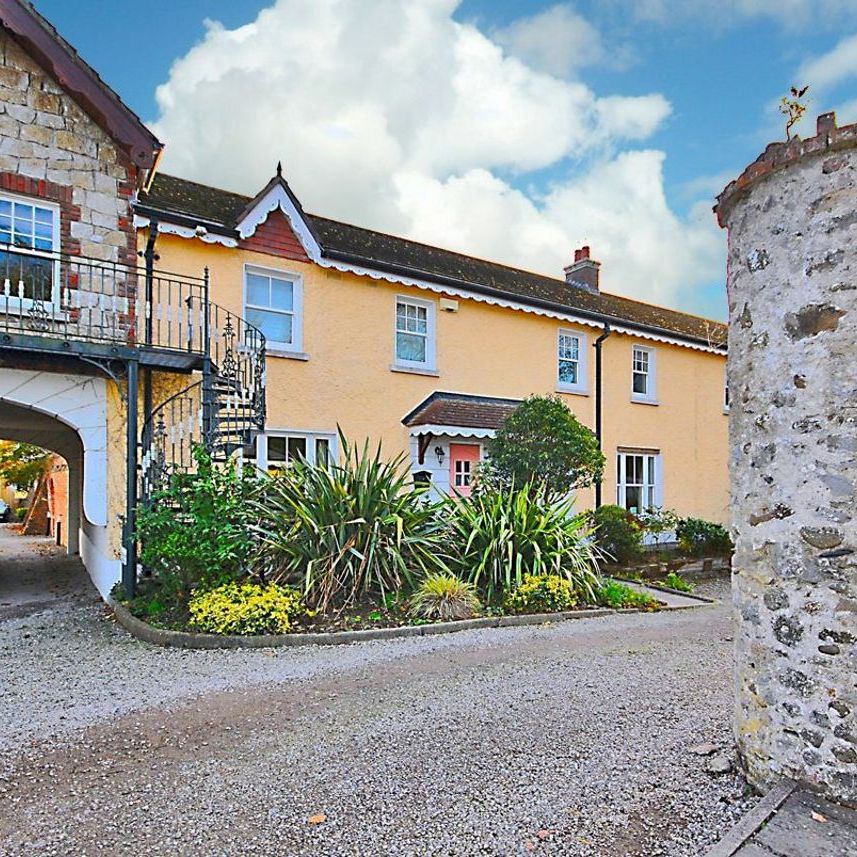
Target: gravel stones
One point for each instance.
(570, 739)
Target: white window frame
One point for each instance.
(430, 363)
(653, 489)
(582, 384)
(727, 396)
(651, 394)
(297, 312)
(14, 301)
(311, 437)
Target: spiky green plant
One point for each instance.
(499, 536)
(445, 597)
(340, 531)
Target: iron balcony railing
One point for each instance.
(57, 296)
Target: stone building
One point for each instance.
(792, 279)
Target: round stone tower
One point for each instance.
(792, 284)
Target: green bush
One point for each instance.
(617, 533)
(444, 597)
(698, 537)
(197, 531)
(541, 593)
(614, 594)
(342, 531)
(245, 608)
(542, 444)
(496, 537)
(658, 521)
(675, 581)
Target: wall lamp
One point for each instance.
(438, 451)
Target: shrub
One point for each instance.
(618, 533)
(675, 581)
(658, 521)
(197, 531)
(541, 593)
(340, 531)
(617, 595)
(497, 537)
(542, 444)
(444, 596)
(245, 608)
(698, 537)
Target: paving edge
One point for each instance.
(753, 820)
(186, 640)
(648, 584)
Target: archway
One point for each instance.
(67, 414)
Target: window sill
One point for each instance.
(572, 391)
(283, 352)
(641, 401)
(414, 370)
(726, 412)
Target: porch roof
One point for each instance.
(459, 410)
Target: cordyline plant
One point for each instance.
(341, 531)
(499, 536)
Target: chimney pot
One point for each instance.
(583, 272)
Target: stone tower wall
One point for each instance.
(792, 279)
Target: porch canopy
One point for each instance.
(456, 415)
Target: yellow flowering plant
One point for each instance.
(245, 609)
(541, 593)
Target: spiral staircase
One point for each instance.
(221, 411)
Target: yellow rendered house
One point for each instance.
(141, 314)
(428, 350)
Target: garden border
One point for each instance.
(187, 640)
(653, 584)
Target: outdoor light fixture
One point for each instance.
(438, 451)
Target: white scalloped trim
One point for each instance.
(276, 198)
(186, 231)
(451, 431)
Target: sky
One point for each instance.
(513, 130)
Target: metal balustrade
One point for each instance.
(75, 298)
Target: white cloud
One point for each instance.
(556, 40)
(792, 14)
(834, 67)
(397, 117)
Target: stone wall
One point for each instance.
(792, 276)
(51, 149)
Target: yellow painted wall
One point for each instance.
(348, 333)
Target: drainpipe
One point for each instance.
(149, 257)
(129, 572)
(598, 400)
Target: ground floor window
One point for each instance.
(276, 450)
(637, 480)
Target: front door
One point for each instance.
(463, 458)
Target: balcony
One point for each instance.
(57, 304)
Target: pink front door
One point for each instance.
(463, 458)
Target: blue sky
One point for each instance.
(676, 95)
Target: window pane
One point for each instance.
(297, 448)
(569, 347)
(276, 326)
(633, 499)
(650, 461)
(568, 371)
(411, 346)
(44, 215)
(322, 450)
(641, 383)
(282, 294)
(258, 290)
(276, 449)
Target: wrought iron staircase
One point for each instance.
(221, 411)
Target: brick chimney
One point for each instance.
(583, 272)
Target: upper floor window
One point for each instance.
(643, 374)
(725, 390)
(571, 361)
(31, 231)
(415, 333)
(273, 302)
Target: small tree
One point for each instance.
(542, 443)
(21, 464)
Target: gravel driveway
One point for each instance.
(565, 739)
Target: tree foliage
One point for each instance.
(542, 443)
(21, 464)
